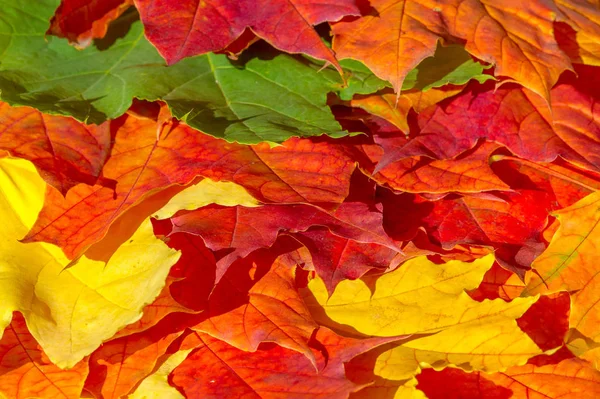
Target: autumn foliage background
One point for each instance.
(299, 198)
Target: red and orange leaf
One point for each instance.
(256, 302)
(26, 372)
(511, 222)
(237, 231)
(498, 283)
(216, 369)
(336, 258)
(186, 28)
(569, 379)
(518, 119)
(64, 151)
(81, 21)
(402, 33)
(566, 182)
(468, 173)
(143, 165)
(118, 365)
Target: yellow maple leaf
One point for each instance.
(156, 385)
(425, 298)
(419, 297)
(204, 193)
(70, 312)
(491, 346)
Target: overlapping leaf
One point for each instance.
(191, 27)
(568, 263)
(449, 243)
(239, 230)
(81, 21)
(269, 372)
(57, 304)
(403, 33)
(64, 151)
(143, 164)
(26, 372)
(209, 92)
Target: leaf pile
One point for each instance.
(292, 199)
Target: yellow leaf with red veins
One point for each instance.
(70, 312)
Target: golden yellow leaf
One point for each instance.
(418, 297)
(585, 309)
(156, 385)
(425, 298)
(70, 312)
(409, 391)
(204, 193)
(493, 345)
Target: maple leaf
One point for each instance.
(143, 164)
(571, 378)
(566, 182)
(470, 173)
(270, 371)
(199, 27)
(239, 230)
(564, 264)
(510, 222)
(81, 21)
(427, 295)
(195, 266)
(252, 305)
(208, 92)
(64, 151)
(26, 372)
(514, 117)
(117, 366)
(403, 33)
(336, 259)
(58, 304)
